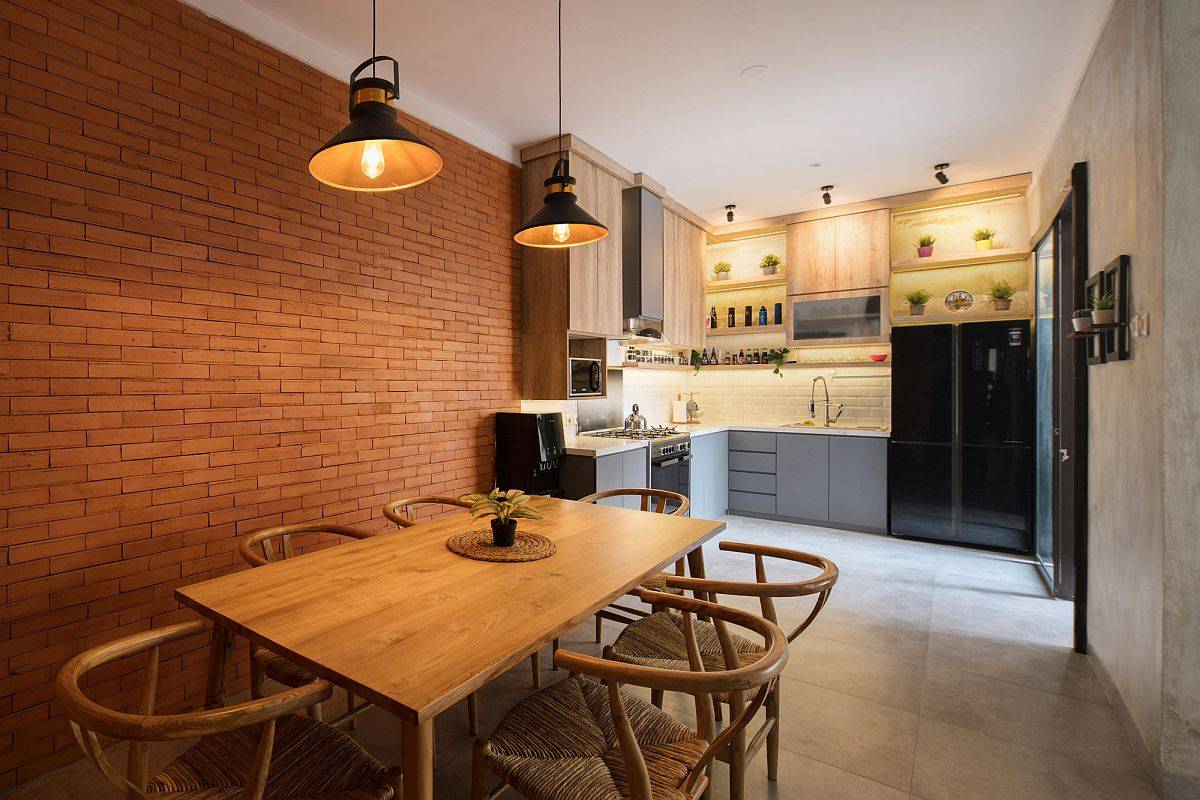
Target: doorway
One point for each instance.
(1060, 439)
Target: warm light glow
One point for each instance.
(561, 232)
(372, 160)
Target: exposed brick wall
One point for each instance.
(197, 340)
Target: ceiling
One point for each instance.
(862, 94)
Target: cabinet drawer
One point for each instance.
(754, 503)
(752, 482)
(752, 441)
(752, 462)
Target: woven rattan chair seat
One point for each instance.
(658, 583)
(281, 670)
(559, 744)
(310, 761)
(657, 641)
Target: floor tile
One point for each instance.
(802, 777)
(865, 673)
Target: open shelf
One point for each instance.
(961, 259)
(960, 316)
(664, 367)
(1099, 329)
(714, 287)
(802, 364)
(744, 331)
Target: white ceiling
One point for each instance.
(875, 91)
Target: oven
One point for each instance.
(671, 466)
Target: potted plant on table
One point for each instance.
(1082, 320)
(722, 270)
(925, 245)
(917, 299)
(1002, 294)
(769, 264)
(983, 238)
(505, 507)
(1104, 309)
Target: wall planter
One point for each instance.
(1107, 340)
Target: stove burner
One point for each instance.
(657, 432)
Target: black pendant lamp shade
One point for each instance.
(560, 222)
(374, 153)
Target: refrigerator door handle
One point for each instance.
(1064, 455)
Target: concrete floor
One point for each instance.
(935, 672)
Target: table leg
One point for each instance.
(417, 746)
(219, 650)
(696, 569)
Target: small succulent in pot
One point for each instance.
(1104, 309)
(778, 355)
(769, 264)
(505, 507)
(1002, 294)
(722, 270)
(917, 298)
(925, 245)
(1081, 320)
(983, 238)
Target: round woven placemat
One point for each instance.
(477, 544)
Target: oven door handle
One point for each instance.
(666, 463)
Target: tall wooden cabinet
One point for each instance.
(683, 279)
(839, 253)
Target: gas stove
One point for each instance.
(665, 443)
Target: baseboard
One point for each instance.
(815, 523)
(1142, 753)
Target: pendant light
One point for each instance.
(374, 153)
(560, 222)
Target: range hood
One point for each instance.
(642, 266)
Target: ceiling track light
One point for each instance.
(940, 174)
(560, 222)
(825, 194)
(374, 152)
(729, 212)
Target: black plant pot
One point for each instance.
(504, 533)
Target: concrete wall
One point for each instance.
(1114, 123)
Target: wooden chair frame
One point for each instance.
(275, 544)
(734, 681)
(400, 512)
(90, 720)
(741, 752)
(615, 611)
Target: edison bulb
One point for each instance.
(372, 160)
(561, 232)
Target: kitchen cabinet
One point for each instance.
(752, 472)
(710, 475)
(683, 281)
(802, 465)
(584, 475)
(858, 482)
(834, 254)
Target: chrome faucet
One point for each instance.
(812, 402)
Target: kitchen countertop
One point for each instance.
(584, 445)
(594, 446)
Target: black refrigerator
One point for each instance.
(960, 459)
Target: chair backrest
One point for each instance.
(662, 496)
(820, 585)
(275, 544)
(734, 681)
(401, 511)
(90, 720)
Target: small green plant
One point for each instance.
(1001, 290)
(770, 260)
(503, 505)
(984, 235)
(1080, 313)
(694, 361)
(926, 240)
(722, 266)
(917, 297)
(778, 354)
(1105, 302)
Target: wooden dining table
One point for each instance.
(403, 622)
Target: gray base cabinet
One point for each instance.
(710, 475)
(584, 475)
(840, 481)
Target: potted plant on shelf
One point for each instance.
(925, 246)
(722, 270)
(769, 264)
(1104, 309)
(983, 238)
(1002, 294)
(778, 354)
(917, 299)
(1082, 320)
(505, 507)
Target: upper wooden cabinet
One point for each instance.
(839, 253)
(683, 280)
(576, 289)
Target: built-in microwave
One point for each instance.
(587, 376)
(849, 317)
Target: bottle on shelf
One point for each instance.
(732, 318)
(762, 315)
(712, 318)
(704, 358)
(749, 316)
(779, 313)
(714, 358)
(726, 359)
(741, 356)
(757, 356)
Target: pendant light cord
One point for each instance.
(372, 38)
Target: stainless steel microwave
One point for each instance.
(852, 318)
(586, 377)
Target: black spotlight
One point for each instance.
(729, 211)
(825, 194)
(941, 173)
